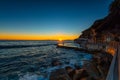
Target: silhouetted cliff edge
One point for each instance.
(111, 23)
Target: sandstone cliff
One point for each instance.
(110, 23)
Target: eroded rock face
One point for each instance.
(110, 23)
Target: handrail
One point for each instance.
(114, 70)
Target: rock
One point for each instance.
(110, 23)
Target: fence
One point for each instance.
(114, 71)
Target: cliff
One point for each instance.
(111, 23)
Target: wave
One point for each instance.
(22, 46)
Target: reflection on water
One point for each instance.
(17, 61)
(60, 44)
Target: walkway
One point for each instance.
(114, 71)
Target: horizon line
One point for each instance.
(34, 40)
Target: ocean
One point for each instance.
(17, 57)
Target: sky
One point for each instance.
(48, 19)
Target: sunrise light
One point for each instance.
(60, 39)
(9, 36)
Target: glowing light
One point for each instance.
(15, 36)
(60, 42)
(111, 51)
(60, 39)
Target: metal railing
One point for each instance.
(114, 70)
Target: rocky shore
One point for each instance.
(98, 67)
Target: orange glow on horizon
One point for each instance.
(60, 39)
(9, 36)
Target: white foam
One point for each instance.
(29, 76)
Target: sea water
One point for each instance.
(17, 58)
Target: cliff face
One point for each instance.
(110, 23)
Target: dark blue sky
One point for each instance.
(50, 16)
